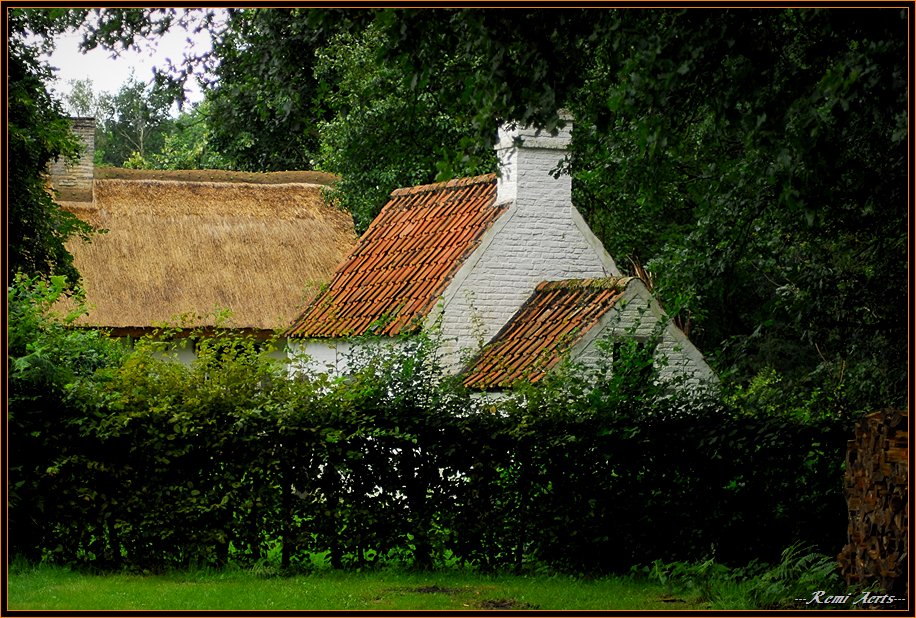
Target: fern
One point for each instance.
(800, 572)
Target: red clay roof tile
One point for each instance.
(553, 319)
(404, 261)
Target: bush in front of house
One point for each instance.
(53, 456)
(600, 471)
(133, 460)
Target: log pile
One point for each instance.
(878, 499)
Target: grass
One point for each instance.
(56, 588)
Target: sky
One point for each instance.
(108, 74)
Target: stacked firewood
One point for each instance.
(878, 499)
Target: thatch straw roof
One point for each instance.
(193, 248)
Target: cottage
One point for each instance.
(184, 252)
(467, 257)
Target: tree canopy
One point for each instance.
(754, 161)
(135, 121)
(38, 133)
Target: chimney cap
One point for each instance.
(511, 135)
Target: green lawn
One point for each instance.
(50, 588)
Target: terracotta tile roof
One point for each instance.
(404, 261)
(553, 319)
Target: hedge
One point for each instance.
(129, 459)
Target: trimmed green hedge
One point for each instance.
(129, 459)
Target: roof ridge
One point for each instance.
(447, 184)
(601, 283)
(204, 183)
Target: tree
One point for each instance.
(507, 64)
(134, 120)
(46, 357)
(137, 117)
(731, 151)
(271, 128)
(38, 133)
(81, 100)
(742, 153)
(383, 133)
(189, 144)
(332, 104)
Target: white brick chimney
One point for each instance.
(526, 158)
(541, 237)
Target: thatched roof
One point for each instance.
(192, 248)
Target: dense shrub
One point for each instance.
(603, 472)
(53, 454)
(136, 460)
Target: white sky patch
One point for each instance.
(108, 73)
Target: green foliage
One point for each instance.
(136, 162)
(703, 580)
(188, 145)
(383, 133)
(506, 64)
(50, 448)
(737, 153)
(700, 150)
(707, 161)
(137, 122)
(81, 99)
(42, 348)
(682, 457)
(132, 124)
(274, 127)
(229, 460)
(203, 443)
(800, 572)
(38, 134)
(139, 461)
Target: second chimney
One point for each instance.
(74, 180)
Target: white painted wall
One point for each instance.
(183, 354)
(313, 356)
(540, 238)
(332, 356)
(637, 314)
